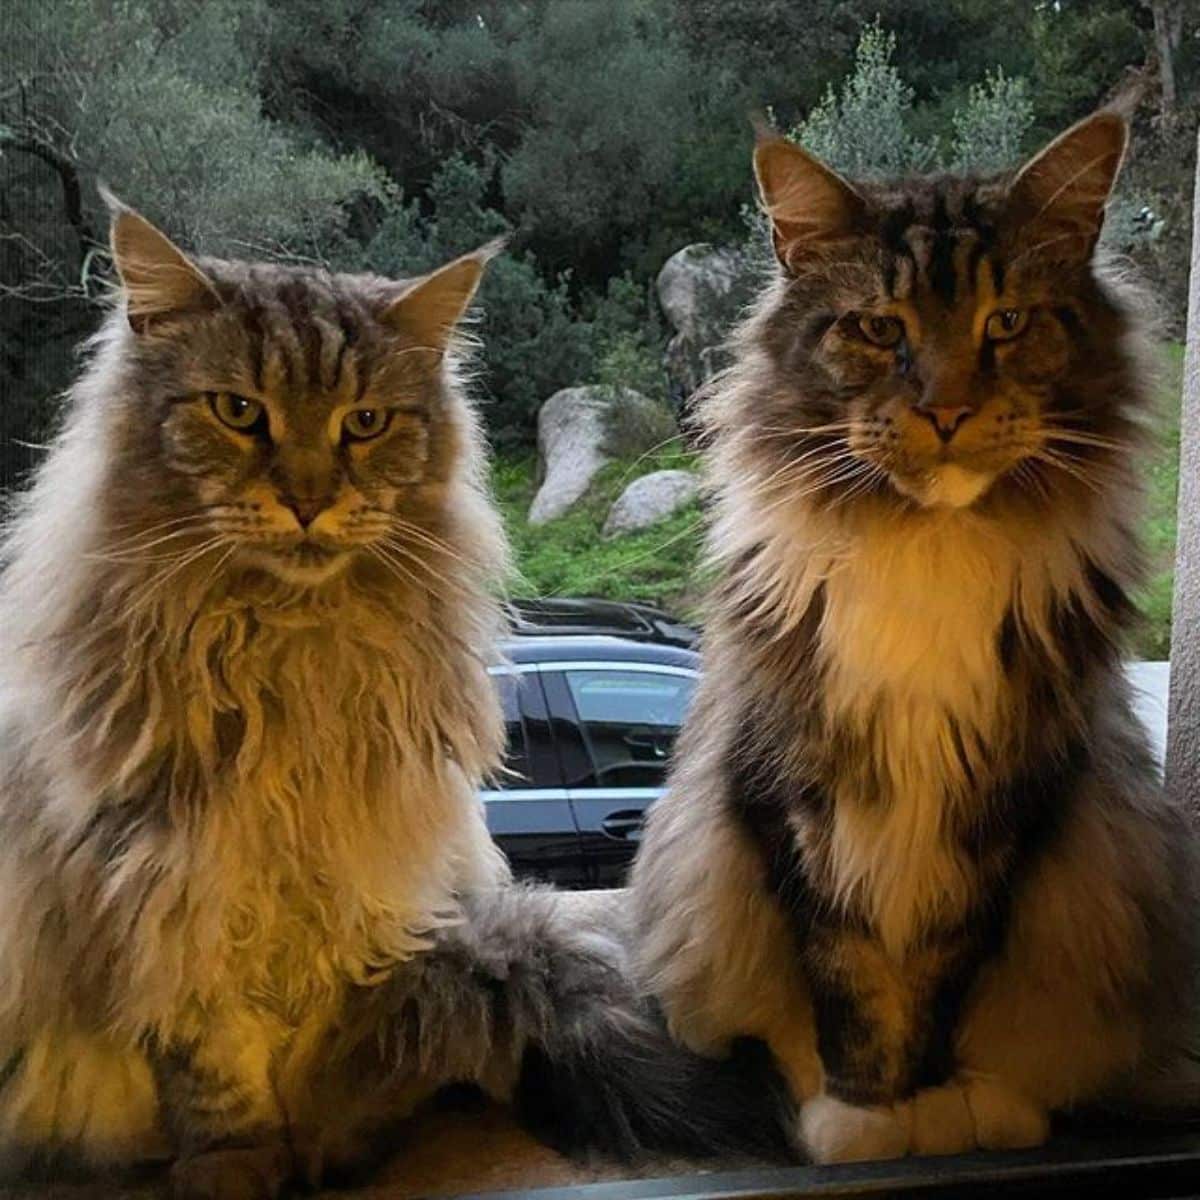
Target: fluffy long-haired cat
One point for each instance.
(914, 837)
(250, 905)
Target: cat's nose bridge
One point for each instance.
(306, 481)
(945, 372)
(947, 391)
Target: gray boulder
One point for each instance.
(700, 289)
(649, 500)
(577, 428)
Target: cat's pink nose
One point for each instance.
(306, 510)
(945, 419)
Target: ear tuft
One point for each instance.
(157, 277)
(1060, 194)
(808, 203)
(430, 307)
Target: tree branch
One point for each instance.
(30, 142)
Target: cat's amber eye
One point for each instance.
(362, 424)
(881, 331)
(236, 411)
(1006, 323)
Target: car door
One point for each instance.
(615, 727)
(528, 810)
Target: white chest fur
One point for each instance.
(908, 645)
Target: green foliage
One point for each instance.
(991, 127)
(1079, 50)
(593, 162)
(781, 53)
(165, 102)
(628, 337)
(1154, 633)
(860, 127)
(866, 126)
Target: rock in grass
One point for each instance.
(650, 499)
(578, 429)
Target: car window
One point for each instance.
(516, 772)
(629, 721)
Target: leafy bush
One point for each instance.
(166, 104)
(628, 339)
(606, 93)
(991, 128)
(864, 127)
(859, 127)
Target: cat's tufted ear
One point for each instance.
(807, 202)
(430, 307)
(1058, 197)
(158, 278)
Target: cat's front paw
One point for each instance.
(1003, 1118)
(833, 1131)
(237, 1173)
(941, 1121)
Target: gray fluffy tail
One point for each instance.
(600, 1073)
(624, 1089)
(532, 999)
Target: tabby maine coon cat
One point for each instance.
(244, 712)
(914, 838)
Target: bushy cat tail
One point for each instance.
(600, 1073)
(623, 1088)
(530, 997)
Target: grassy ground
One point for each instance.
(1154, 638)
(569, 557)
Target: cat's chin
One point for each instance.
(946, 486)
(302, 567)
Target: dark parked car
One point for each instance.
(592, 719)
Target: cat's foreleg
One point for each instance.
(220, 1108)
(864, 1016)
(1061, 1015)
(75, 1096)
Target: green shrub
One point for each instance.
(859, 127)
(864, 126)
(990, 129)
(628, 339)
